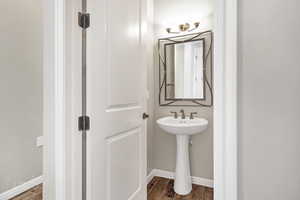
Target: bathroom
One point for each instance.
(162, 145)
(149, 99)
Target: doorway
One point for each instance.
(225, 172)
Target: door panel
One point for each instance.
(116, 88)
(124, 163)
(123, 45)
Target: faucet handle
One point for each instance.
(175, 114)
(192, 115)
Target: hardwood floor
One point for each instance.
(35, 193)
(162, 189)
(158, 189)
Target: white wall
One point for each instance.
(21, 91)
(171, 13)
(269, 100)
(163, 145)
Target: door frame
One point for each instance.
(59, 97)
(54, 100)
(225, 105)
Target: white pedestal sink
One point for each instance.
(183, 129)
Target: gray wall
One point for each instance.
(162, 144)
(21, 91)
(269, 100)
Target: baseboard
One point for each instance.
(171, 175)
(21, 188)
(150, 176)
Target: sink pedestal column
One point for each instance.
(183, 180)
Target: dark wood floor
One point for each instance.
(162, 189)
(158, 189)
(35, 193)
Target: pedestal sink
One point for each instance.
(183, 129)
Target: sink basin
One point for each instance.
(183, 129)
(182, 126)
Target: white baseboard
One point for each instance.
(21, 188)
(171, 175)
(150, 176)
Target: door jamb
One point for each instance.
(54, 149)
(225, 106)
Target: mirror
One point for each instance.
(185, 70)
(185, 75)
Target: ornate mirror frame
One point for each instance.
(207, 38)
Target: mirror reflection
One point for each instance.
(184, 63)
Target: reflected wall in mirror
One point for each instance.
(186, 70)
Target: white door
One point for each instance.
(116, 96)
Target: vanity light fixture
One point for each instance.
(184, 27)
(196, 25)
(169, 30)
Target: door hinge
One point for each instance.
(84, 20)
(84, 123)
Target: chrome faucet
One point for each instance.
(175, 114)
(182, 114)
(192, 115)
